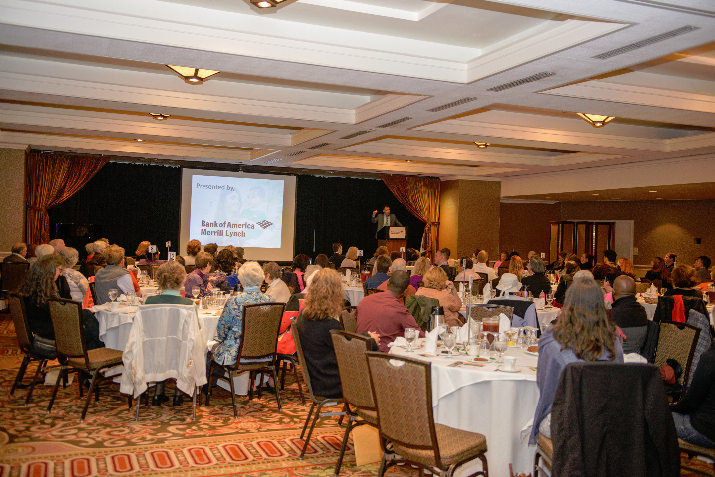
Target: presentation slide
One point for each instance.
(253, 211)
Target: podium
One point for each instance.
(394, 238)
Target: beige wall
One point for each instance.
(469, 216)
(660, 226)
(12, 188)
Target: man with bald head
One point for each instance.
(628, 314)
(399, 264)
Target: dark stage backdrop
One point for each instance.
(128, 203)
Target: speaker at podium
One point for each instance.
(394, 238)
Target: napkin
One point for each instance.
(399, 341)
(463, 333)
(504, 323)
(539, 302)
(431, 341)
(122, 298)
(487, 292)
(347, 273)
(653, 291)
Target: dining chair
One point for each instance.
(583, 442)
(489, 310)
(93, 291)
(165, 342)
(642, 286)
(370, 291)
(420, 307)
(40, 350)
(72, 350)
(692, 451)
(348, 318)
(12, 275)
(677, 341)
(317, 402)
(402, 390)
(256, 351)
(350, 349)
(286, 354)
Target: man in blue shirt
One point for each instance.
(382, 265)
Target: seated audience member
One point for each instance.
(441, 260)
(537, 281)
(669, 259)
(382, 266)
(626, 267)
(18, 253)
(300, 263)
(192, 249)
(570, 268)
(170, 277)
(320, 314)
(225, 277)
(394, 255)
(310, 270)
(113, 275)
(78, 284)
(398, 264)
(529, 255)
(58, 244)
(465, 271)
(702, 268)
(143, 255)
(384, 314)
(516, 267)
(212, 249)
(199, 277)
(508, 285)
(230, 323)
(694, 414)
(337, 257)
(482, 266)
(503, 257)
(95, 258)
(608, 286)
(39, 286)
(683, 279)
(381, 250)
(658, 274)
(322, 261)
(628, 314)
(420, 268)
(582, 332)
(586, 261)
(293, 303)
(350, 260)
(277, 289)
(43, 250)
(608, 265)
(411, 256)
(436, 285)
(239, 252)
(558, 264)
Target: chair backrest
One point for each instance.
(705, 339)
(481, 311)
(350, 349)
(69, 329)
(420, 307)
(348, 318)
(584, 423)
(370, 291)
(93, 291)
(642, 286)
(305, 371)
(677, 341)
(341, 270)
(13, 275)
(402, 389)
(261, 322)
(19, 319)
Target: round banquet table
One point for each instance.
(650, 310)
(497, 404)
(353, 294)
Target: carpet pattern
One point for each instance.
(165, 441)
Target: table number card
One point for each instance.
(172, 255)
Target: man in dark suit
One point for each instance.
(19, 251)
(385, 219)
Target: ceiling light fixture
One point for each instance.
(482, 145)
(595, 194)
(652, 191)
(266, 3)
(596, 120)
(139, 140)
(192, 75)
(160, 116)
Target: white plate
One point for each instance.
(531, 353)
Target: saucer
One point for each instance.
(508, 370)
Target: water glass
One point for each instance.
(449, 339)
(113, 294)
(195, 291)
(500, 346)
(484, 348)
(411, 335)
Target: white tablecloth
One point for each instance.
(497, 404)
(354, 294)
(650, 311)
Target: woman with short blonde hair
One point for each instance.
(350, 260)
(77, 282)
(192, 249)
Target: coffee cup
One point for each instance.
(509, 363)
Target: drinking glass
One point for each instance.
(411, 335)
(195, 291)
(113, 294)
(449, 339)
(131, 297)
(484, 348)
(500, 346)
(549, 300)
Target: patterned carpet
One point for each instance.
(165, 441)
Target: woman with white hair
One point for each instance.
(77, 282)
(230, 325)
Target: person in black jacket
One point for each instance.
(537, 282)
(694, 415)
(628, 314)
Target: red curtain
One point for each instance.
(420, 195)
(50, 179)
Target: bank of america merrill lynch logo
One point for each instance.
(264, 224)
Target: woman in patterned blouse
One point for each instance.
(230, 324)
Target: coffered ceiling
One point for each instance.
(373, 86)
